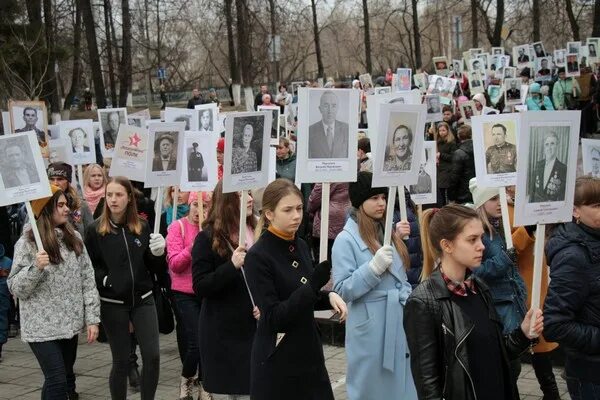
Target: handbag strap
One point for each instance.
(182, 229)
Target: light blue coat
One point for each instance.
(376, 349)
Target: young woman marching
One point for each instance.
(458, 350)
(180, 240)
(125, 253)
(227, 317)
(287, 354)
(57, 294)
(94, 180)
(372, 279)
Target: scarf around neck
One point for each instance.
(93, 197)
(182, 211)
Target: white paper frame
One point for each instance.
(546, 212)
(442, 72)
(506, 86)
(404, 79)
(590, 153)
(417, 194)
(131, 150)
(154, 176)
(68, 128)
(276, 114)
(314, 170)
(217, 124)
(136, 120)
(521, 64)
(390, 116)
(482, 126)
(596, 42)
(207, 143)
(560, 57)
(446, 91)
(571, 72)
(103, 115)
(11, 191)
(6, 122)
(192, 117)
(475, 76)
(433, 114)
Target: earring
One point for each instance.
(577, 220)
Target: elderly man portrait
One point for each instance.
(30, 117)
(16, 171)
(550, 175)
(165, 157)
(328, 138)
(113, 121)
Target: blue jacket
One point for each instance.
(506, 285)
(572, 306)
(533, 105)
(377, 352)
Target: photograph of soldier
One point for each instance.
(399, 151)
(475, 82)
(521, 54)
(196, 165)
(538, 48)
(423, 184)
(510, 72)
(441, 66)
(483, 57)
(572, 65)
(512, 89)
(466, 109)
(433, 104)
(497, 50)
(30, 118)
(438, 85)
(543, 71)
(165, 152)
(328, 137)
(15, 169)
(501, 157)
(547, 180)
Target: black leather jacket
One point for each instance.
(437, 329)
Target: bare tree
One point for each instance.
(316, 38)
(76, 71)
(596, 21)
(474, 24)
(234, 69)
(94, 57)
(51, 89)
(416, 34)
(109, 54)
(125, 66)
(572, 19)
(535, 16)
(368, 61)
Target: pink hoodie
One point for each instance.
(179, 254)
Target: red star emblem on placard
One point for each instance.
(134, 140)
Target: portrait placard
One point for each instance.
(110, 120)
(404, 79)
(165, 147)
(28, 116)
(499, 64)
(442, 86)
(79, 133)
(572, 65)
(495, 92)
(495, 149)
(247, 137)
(22, 173)
(512, 91)
(383, 89)
(590, 152)
(473, 52)
(484, 58)
(543, 68)
(208, 120)
(475, 82)
(275, 133)
(509, 72)
(521, 56)
(468, 110)
(421, 81)
(497, 51)
(130, 153)
(424, 191)
(440, 65)
(457, 68)
(547, 167)
(593, 51)
(560, 57)
(574, 48)
(366, 83)
(476, 64)
(199, 168)
(136, 120)
(538, 50)
(434, 107)
(189, 117)
(327, 121)
(399, 140)
(59, 150)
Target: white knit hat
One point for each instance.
(480, 98)
(481, 194)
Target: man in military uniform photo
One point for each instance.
(195, 165)
(30, 117)
(501, 157)
(550, 175)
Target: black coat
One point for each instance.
(226, 326)
(444, 168)
(463, 169)
(572, 306)
(432, 322)
(293, 369)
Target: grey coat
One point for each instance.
(58, 301)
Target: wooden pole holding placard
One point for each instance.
(158, 208)
(175, 198)
(505, 218)
(243, 216)
(80, 177)
(402, 202)
(200, 210)
(325, 187)
(389, 216)
(538, 261)
(34, 227)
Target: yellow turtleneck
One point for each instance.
(281, 234)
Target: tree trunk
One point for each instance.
(273, 34)
(244, 44)
(320, 68)
(50, 87)
(158, 38)
(76, 77)
(416, 35)
(474, 24)
(535, 16)
(368, 61)
(125, 67)
(234, 70)
(90, 34)
(497, 37)
(572, 20)
(596, 22)
(109, 55)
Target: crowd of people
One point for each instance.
(442, 311)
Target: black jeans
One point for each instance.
(188, 306)
(115, 318)
(56, 358)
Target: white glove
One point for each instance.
(382, 260)
(157, 244)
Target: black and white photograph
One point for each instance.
(110, 120)
(590, 152)
(59, 151)
(199, 170)
(373, 103)
(22, 169)
(424, 190)
(366, 82)
(28, 116)
(512, 91)
(444, 87)
(521, 56)
(473, 52)
(208, 118)
(572, 65)
(475, 82)
(501, 63)
(457, 69)
(495, 92)
(495, 149)
(510, 72)
(326, 141)
(136, 120)
(468, 110)
(399, 144)
(547, 168)
(189, 117)
(131, 150)
(497, 51)
(80, 134)
(543, 69)
(560, 57)
(441, 66)
(574, 48)
(593, 51)
(247, 138)
(421, 81)
(538, 50)
(484, 60)
(165, 146)
(275, 131)
(476, 64)
(434, 107)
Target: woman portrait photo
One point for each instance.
(243, 158)
(78, 140)
(399, 157)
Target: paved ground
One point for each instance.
(21, 378)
